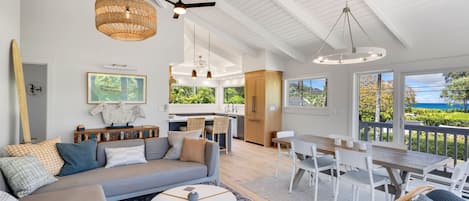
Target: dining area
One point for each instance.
(370, 168)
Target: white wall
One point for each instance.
(62, 34)
(10, 29)
(264, 60)
(337, 117)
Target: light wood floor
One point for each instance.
(248, 162)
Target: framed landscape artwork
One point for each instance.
(116, 88)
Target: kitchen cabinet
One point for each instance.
(263, 106)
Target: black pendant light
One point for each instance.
(209, 73)
(194, 74)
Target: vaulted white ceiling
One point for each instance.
(409, 30)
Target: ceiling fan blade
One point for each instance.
(176, 16)
(171, 2)
(194, 5)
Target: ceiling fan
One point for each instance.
(180, 7)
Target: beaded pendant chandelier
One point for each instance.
(128, 20)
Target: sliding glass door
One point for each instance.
(436, 113)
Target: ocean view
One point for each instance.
(440, 106)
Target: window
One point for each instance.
(233, 95)
(192, 95)
(307, 92)
(375, 106)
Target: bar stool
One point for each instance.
(194, 124)
(220, 126)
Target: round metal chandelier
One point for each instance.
(128, 20)
(352, 54)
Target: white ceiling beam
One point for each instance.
(257, 28)
(377, 9)
(160, 3)
(194, 18)
(311, 23)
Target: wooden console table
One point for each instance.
(105, 135)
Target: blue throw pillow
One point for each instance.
(77, 157)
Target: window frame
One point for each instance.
(286, 92)
(397, 86)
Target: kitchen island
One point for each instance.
(176, 121)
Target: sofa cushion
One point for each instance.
(101, 155)
(156, 148)
(4, 196)
(3, 183)
(125, 156)
(77, 157)
(45, 151)
(88, 193)
(25, 174)
(132, 178)
(176, 139)
(443, 195)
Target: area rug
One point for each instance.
(276, 189)
(148, 197)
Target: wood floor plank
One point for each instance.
(248, 162)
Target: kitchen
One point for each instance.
(208, 99)
(213, 81)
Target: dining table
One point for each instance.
(398, 162)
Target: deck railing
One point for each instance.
(444, 141)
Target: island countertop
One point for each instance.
(177, 118)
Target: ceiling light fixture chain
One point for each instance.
(353, 54)
(194, 72)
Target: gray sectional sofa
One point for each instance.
(129, 181)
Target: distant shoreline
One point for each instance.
(438, 106)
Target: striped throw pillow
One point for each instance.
(25, 174)
(125, 156)
(45, 151)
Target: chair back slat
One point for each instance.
(195, 124)
(460, 171)
(221, 125)
(284, 134)
(306, 149)
(355, 159)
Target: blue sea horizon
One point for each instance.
(439, 106)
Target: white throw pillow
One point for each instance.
(175, 139)
(125, 156)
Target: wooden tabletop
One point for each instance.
(410, 161)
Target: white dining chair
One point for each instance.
(280, 153)
(455, 184)
(361, 176)
(309, 161)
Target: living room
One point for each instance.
(211, 95)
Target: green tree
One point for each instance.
(409, 98)
(457, 91)
(233, 95)
(454, 75)
(192, 95)
(369, 89)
